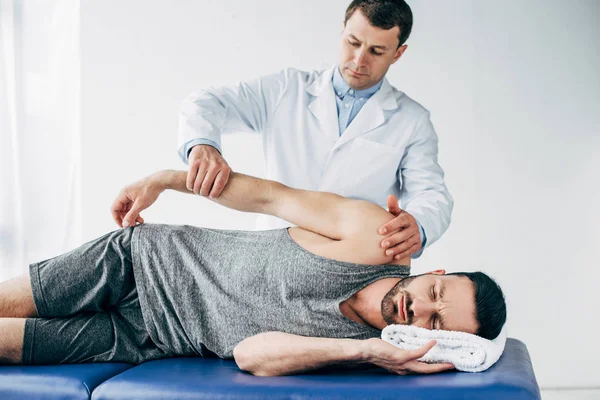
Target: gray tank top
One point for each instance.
(202, 288)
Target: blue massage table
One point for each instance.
(511, 377)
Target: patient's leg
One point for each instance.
(16, 298)
(94, 277)
(119, 335)
(11, 340)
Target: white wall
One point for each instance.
(514, 93)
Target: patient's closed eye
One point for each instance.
(434, 319)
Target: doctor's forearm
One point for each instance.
(242, 192)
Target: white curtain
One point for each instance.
(39, 131)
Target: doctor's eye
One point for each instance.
(353, 43)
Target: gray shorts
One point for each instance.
(88, 307)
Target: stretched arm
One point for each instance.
(278, 353)
(325, 213)
(328, 214)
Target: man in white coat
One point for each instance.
(344, 130)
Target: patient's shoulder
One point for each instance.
(360, 242)
(362, 232)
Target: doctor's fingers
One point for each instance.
(399, 237)
(401, 242)
(220, 182)
(199, 178)
(401, 221)
(400, 254)
(191, 176)
(209, 179)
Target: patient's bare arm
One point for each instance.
(278, 353)
(352, 222)
(242, 193)
(325, 213)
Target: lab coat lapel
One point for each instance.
(323, 105)
(371, 115)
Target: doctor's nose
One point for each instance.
(360, 58)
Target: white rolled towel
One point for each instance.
(468, 352)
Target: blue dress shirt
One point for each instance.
(349, 101)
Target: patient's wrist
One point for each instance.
(365, 351)
(162, 180)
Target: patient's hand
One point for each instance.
(133, 199)
(406, 238)
(400, 361)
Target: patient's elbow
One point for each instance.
(249, 361)
(244, 359)
(241, 357)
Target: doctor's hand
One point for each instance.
(208, 173)
(406, 235)
(400, 361)
(133, 199)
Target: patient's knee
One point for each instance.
(16, 298)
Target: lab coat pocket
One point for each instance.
(370, 169)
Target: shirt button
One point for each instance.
(339, 93)
(347, 105)
(351, 91)
(362, 98)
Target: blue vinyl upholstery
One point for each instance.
(65, 382)
(512, 377)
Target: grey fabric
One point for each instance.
(88, 306)
(155, 291)
(217, 287)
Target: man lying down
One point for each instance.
(280, 302)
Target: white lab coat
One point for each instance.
(389, 148)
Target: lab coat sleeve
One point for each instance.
(245, 107)
(424, 194)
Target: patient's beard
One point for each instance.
(387, 304)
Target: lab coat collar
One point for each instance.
(324, 108)
(323, 105)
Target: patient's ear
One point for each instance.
(438, 272)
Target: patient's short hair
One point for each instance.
(490, 305)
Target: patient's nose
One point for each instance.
(422, 308)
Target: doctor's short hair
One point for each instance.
(385, 14)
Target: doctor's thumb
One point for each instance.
(393, 206)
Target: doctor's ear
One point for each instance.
(399, 52)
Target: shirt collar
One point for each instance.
(340, 86)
